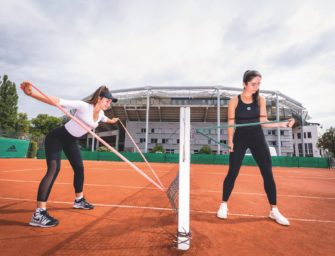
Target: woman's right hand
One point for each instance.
(26, 88)
(231, 145)
(115, 119)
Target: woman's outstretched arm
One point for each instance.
(27, 89)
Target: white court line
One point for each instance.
(167, 209)
(260, 194)
(25, 170)
(204, 173)
(115, 169)
(153, 188)
(259, 216)
(276, 176)
(69, 167)
(275, 170)
(86, 184)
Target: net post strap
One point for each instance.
(132, 140)
(98, 138)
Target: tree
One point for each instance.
(205, 150)
(8, 104)
(32, 149)
(22, 123)
(327, 141)
(43, 124)
(158, 148)
(103, 149)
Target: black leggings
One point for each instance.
(57, 140)
(255, 140)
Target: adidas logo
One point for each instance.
(11, 149)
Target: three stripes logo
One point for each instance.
(11, 149)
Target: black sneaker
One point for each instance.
(82, 204)
(43, 219)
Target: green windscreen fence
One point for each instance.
(284, 161)
(13, 148)
(132, 157)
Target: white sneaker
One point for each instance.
(223, 211)
(275, 215)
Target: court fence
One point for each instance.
(283, 161)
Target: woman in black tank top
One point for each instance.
(250, 107)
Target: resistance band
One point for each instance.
(101, 140)
(131, 138)
(233, 125)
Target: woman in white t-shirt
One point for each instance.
(65, 138)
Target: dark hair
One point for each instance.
(247, 77)
(93, 99)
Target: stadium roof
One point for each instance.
(166, 101)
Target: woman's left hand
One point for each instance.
(288, 124)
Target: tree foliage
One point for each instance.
(205, 150)
(22, 125)
(43, 124)
(327, 141)
(103, 149)
(8, 104)
(158, 148)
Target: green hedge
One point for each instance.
(32, 149)
(284, 161)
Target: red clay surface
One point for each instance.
(132, 217)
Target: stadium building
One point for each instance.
(151, 115)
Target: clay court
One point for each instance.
(132, 217)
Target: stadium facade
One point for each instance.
(151, 115)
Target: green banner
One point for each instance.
(12, 148)
(284, 161)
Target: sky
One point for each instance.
(70, 48)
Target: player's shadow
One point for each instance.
(12, 223)
(238, 220)
(230, 220)
(7, 210)
(13, 211)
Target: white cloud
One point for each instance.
(69, 48)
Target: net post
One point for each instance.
(184, 234)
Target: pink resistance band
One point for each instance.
(101, 140)
(153, 172)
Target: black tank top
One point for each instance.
(247, 113)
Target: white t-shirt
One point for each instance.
(84, 114)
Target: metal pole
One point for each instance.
(218, 118)
(97, 145)
(147, 123)
(302, 133)
(92, 146)
(117, 140)
(278, 129)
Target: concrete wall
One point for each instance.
(309, 131)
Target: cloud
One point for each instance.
(299, 54)
(69, 48)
